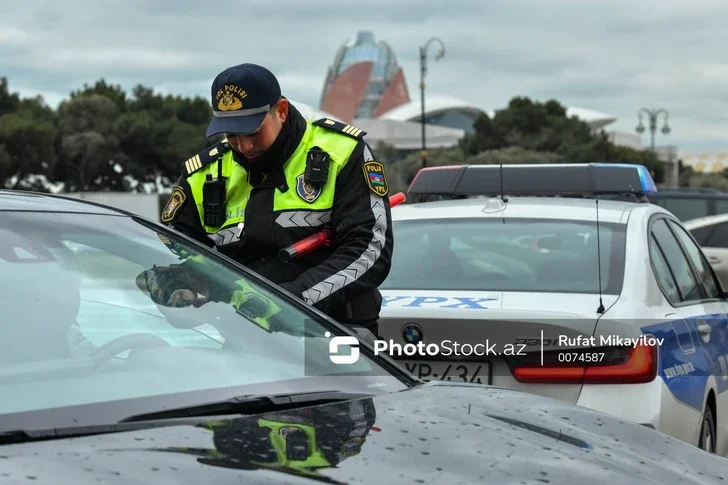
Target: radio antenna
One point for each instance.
(599, 258)
(502, 193)
(595, 193)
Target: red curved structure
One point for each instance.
(395, 95)
(365, 87)
(347, 92)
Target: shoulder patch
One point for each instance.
(334, 125)
(173, 204)
(206, 156)
(352, 446)
(375, 177)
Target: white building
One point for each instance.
(449, 119)
(704, 162)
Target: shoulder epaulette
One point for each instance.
(206, 156)
(352, 131)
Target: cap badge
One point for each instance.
(230, 98)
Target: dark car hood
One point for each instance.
(434, 434)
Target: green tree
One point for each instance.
(114, 92)
(90, 158)
(103, 138)
(148, 136)
(161, 132)
(408, 167)
(27, 130)
(546, 128)
(705, 180)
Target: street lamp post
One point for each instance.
(653, 115)
(423, 71)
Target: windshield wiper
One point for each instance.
(16, 436)
(249, 404)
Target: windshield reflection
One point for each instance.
(101, 308)
(302, 443)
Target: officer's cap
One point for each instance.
(241, 97)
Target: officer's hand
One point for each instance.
(183, 297)
(168, 286)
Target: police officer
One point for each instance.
(276, 178)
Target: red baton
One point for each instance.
(322, 238)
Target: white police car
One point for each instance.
(506, 290)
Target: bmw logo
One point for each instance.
(412, 333)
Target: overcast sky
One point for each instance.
(612, 56)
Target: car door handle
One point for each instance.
(714, 259)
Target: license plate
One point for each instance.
(473, 372)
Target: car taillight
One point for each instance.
(605, 365)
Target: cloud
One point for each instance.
(613, 56)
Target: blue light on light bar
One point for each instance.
(648, 184)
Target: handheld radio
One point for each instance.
(213, 198)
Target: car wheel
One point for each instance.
(707, 432)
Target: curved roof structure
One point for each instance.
(595, 119)
(436, 104)
(433, 104)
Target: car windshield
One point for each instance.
(527, 255)
(78, 325)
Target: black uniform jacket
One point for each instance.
(341, 279)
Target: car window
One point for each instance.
(677, 261)
(701, 234)
(699, 262)
(103, 289)
(686, 208)
(718, 238)
(519, 255)
(721, 206)
(663, 274)
(87, 315)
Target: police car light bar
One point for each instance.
(534, 180)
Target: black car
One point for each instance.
(130, 354)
